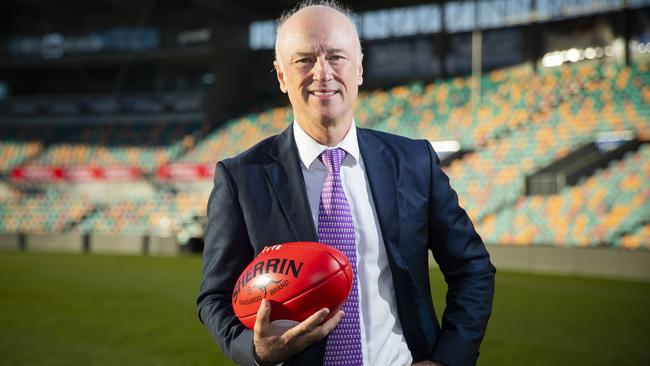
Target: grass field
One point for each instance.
(101, 310)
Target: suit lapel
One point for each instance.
(287, 180)
(288, 183)
(380, 169)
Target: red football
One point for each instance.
(297, 278)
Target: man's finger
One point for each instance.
(331, 323)
(263, 317)
(321, 331)
(308, 324)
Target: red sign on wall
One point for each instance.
(52, 174)
(185, 172)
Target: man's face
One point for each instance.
(319, 66)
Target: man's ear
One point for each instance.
(360, 70)
(280, 75)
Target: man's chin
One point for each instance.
(325, 116)
(327, 119)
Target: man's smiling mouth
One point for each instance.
(323, 93)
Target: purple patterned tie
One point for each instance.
(335, 227)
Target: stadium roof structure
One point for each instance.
(120, 46)
(76, 13)
(29, 17)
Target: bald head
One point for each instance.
(311, 20)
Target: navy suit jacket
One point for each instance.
(259, 199)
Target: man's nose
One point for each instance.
(322, 70)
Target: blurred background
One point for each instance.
(114, 112)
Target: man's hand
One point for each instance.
(273, 345)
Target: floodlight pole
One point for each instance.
(476, 62)
(532, 38)
(627, 29)
(443, 42)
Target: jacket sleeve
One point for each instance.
(227, 252)
(465, 264)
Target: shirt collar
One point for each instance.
(309, 149)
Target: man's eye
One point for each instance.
(336, 57)
(303, 60)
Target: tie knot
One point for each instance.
(333, 159)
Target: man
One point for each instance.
(394, 201)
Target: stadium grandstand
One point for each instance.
(113, 114)
(111, 125)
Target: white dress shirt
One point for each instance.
(382, 340)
